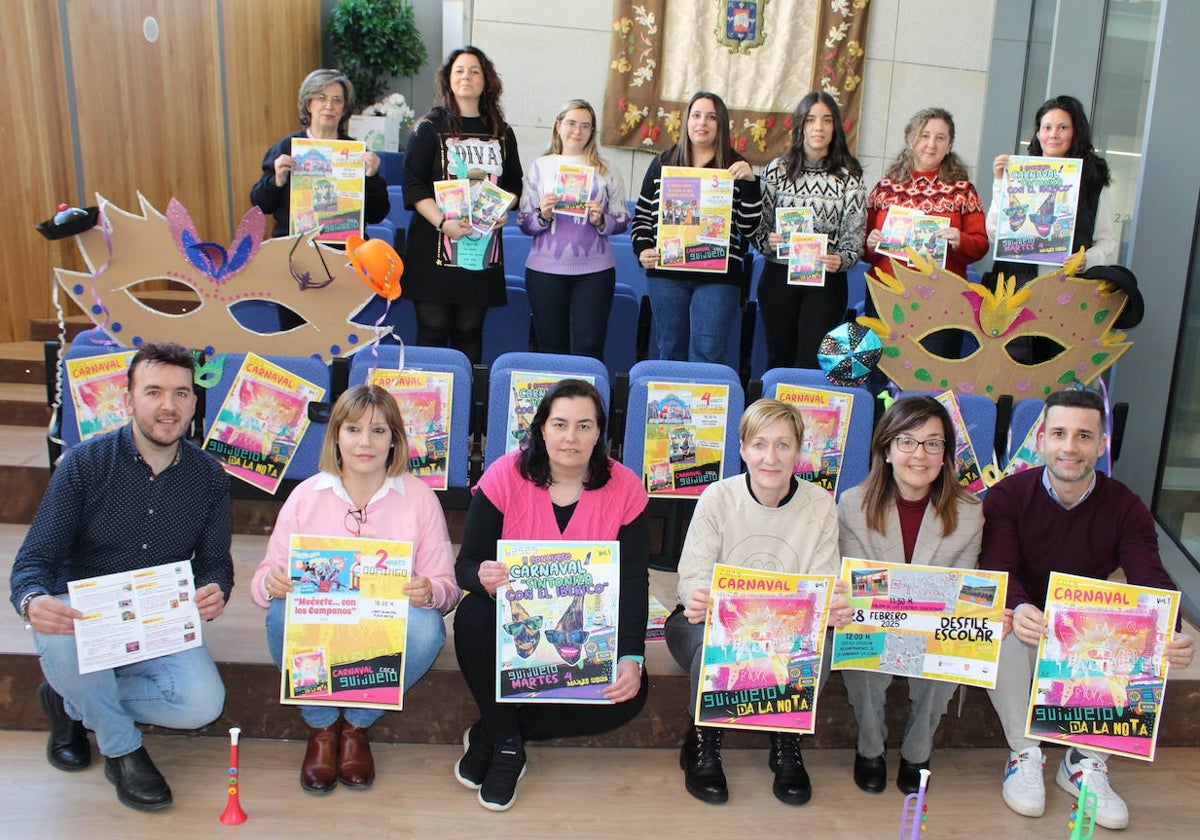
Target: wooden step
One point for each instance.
(23, 362)
(23, 404)
(46, 329)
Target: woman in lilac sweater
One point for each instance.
(361, 491)
(571, 272)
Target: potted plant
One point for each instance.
(374, 40)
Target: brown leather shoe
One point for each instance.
(356, 765)
(319, 773)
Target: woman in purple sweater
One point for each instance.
(570, 272)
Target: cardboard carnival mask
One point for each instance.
(1074, 313)
(124, 251)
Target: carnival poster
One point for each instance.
(556, 621)
(789, 220)
(1038, 202)
(1102, 666)
(328, 188)
(804, 266)
(346, 622)
(572, 187)
(896, 232)
(1027, 455)
(424, 397)
(966, 465)
(453, 198)
(826, 416)
(763, 641)
(685, 437)
(261, 423)
(926, 241)
(695, 219)
(932, 622)
(98, 385)
(525, 393)
(489, 203)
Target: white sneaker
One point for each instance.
(1024, 791)
(1111, 811)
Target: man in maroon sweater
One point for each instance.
(1062, 517)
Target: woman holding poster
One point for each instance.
(910, 509)
(453, 273)
(326, 102)
(765, 519)
(1063, 131)
(561, 485)
(361, 491)
(572, 202)
(694, 310)
(818, 174)
(930, 178)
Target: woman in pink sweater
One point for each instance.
(361, 491)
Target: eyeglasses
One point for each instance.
(571, 125)
(531, 624)
(562, 637)
(355, 519)
(336, 101)
(908, 445)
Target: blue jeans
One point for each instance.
(426, 635)
(570, 311)
(693, 320)
(178, 691)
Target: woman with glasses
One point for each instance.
(560, 485)
(325, 103)
(910, 509)
(363, 491)
(571, 272)
(766, 519)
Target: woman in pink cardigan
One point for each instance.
(561, 485)
(361, 491)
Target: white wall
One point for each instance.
(920, 53)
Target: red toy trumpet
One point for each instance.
(233, 814)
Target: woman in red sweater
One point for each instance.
(929, 177)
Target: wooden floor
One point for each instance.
(602, 792)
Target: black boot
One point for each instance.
(68, 747)
(139, 784)
(700, 760)
(909, 777)
(870, 774)
(792, 786)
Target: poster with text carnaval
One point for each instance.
(328, 188)
(695, 219)
(826, 416)
(804, 268)
(525, 392)
(685, 437)
(932, 622)
(98, 385)
(572, 186)
(966, 465)
(346, 622)
(763, 639)
(1101, 670)
(556, 621)
(424, 398)
(1039, 197)
(261, 423)
(789, 220)
(896, 232)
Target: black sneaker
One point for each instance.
(499, 789)
(472, 766)
(700, 760)
(68, 747)
(792, 785)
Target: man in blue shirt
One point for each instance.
(134, 498)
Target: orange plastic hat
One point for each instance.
(377, 263)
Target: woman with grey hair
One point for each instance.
(325, 103)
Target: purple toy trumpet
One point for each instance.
(912, 814)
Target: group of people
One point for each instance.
(570, 273)
(144, 495)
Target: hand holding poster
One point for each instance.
(1039, 198)
(762, 650)
(695, 218)
(346, 622)
(932, 622)
(1102, 665)
(556, 621)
